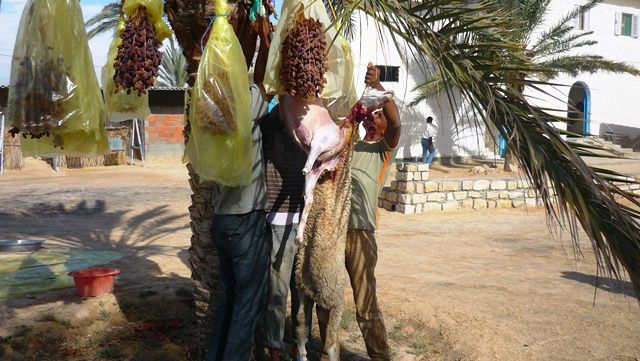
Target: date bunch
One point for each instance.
(304, 59)
(138, 58)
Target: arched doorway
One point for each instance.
(579, 110)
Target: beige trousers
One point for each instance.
(361, 257)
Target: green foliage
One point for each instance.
(173, 69)
(106, 21)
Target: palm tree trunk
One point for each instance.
(188, 20)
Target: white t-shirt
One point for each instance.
(428, 130)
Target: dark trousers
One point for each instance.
(244, 248)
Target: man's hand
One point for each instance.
(372, 79)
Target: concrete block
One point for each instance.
(450, 185)
(504, 195)
(504, 203)
(407, 187)
(637, 191)
(450, 196)
(425, 176)
(460, 195)
(389, 206)
(401, 167)
(634, 186)
(518, 203)
(531, 202)
(451, 206)
(475, 194)
(467, 185)
(436, 197)
(383, 194)
(419, 198)
(498, 185)
(406, 208)
(492, 204)
(512, 185)
(422, 167)
(392, 196)
(479, 204)
(467, 204)
(531, 194)
(419, 208)
(417, 176)
(412, 168)
(481, 185)
(516, 194)
(394, 185)
(380, 203)
(493, 195)
(404, 176)
(419, 187)
(430, 187)
(404, 198)
(432, 206)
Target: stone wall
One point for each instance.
(413, 192)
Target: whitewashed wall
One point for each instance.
(369, 45)
(614, 98)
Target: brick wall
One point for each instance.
(163, 134)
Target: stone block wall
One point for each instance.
(413, 191)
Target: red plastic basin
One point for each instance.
(94, 282)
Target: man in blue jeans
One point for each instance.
(428, 149)
(239, 231)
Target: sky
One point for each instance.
(10, 14)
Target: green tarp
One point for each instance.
(29, 273)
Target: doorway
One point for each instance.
(579, 110)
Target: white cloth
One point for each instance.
(283, 218)
(428, 131)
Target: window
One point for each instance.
(627, 20)
(626, 25)
(582, 21)
(389, 73)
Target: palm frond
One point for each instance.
(468, 45)
(173, 69)
(564, 25)
(428, 89)
(104, 21)
(576, 64)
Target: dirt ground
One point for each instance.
(466, 285)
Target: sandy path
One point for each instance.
(494, 283)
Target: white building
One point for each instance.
(609, 100)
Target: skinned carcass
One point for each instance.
(311, 127)
(323, 225)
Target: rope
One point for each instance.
(213, 18)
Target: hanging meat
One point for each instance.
(138, 58)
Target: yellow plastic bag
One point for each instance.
(155, 9)
(120, 106)
(220, 144)
(53, 82)
(339, 92)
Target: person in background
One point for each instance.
(283, 161)
(371, 159)
(240, 234)
(428, 149)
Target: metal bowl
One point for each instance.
(21, 245)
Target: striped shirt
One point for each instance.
(283, 161)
